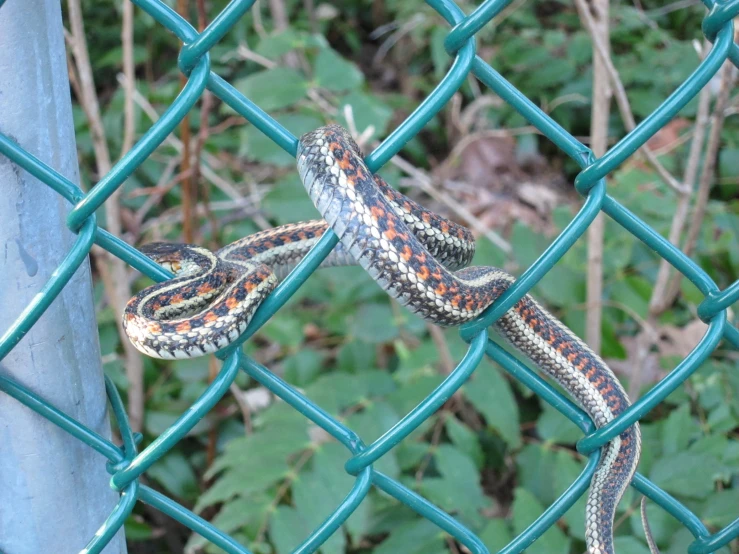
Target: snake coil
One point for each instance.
(418, 257)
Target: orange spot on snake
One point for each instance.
(377, 213)
(205, 288)
(407, 253)
(183, 327)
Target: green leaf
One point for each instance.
(439, 55)
(287, 529)
(114, 57)
(174, 473)
(375, 324)
(367, 110)
(459, 488)
(372, 423)
(465, 439)
(287, 201)
(721, 508)
(553, 426)
(276, 45)
(412, 392)
(284, 329)
(632, 291)
(274, 88)
(629, 545)
(418, 537)
(686, 474)
(253, 463)
(491, 395)
(536, 464)
(410, 454)
(526, 508)
(303, 367)
(486, 253)
(728, 162)
(157, 422)
(318, 492)
(234, 515)
(355, 355)
(683, 537)
(334, 73)
(242, 481)
(259, 147)
(495, 535)
(662, 524)
(566, 471)
(137, 530)
(679, 429)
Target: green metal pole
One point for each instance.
(54, 491)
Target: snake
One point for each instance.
(419, 258)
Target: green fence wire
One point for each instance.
(126, 464)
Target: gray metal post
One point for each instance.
(54, 491)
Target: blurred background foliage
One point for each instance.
(495, 455)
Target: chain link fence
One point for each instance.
(127, 464)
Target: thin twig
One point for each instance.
(227, 187)
(202, 137)
(129, 85)
(603, 53)
(425, 183)
(174, 215)
(282, 491)
(244, 52)
(661, 299)
(189, 190)
(602, 94)
(256, 13)
(281, 22)
(445, 355)
(244, 407)
(707, 174)
(114, 276)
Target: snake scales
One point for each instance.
(418, 257)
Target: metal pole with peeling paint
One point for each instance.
(54, 490)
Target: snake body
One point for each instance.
(418, 257)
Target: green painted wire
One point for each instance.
(126, 464)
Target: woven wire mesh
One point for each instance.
(126, 464)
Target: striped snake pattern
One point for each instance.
(416, 256)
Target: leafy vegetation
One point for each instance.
(495, 456)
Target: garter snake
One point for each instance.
(416, 256)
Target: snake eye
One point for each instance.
(174, 267)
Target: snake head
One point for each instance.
(180, 259)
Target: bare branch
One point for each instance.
(602, 93)
(129, 85)
(661, 296)
(707, 174)
(622, 101)
(112, 269)
(227, 187)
